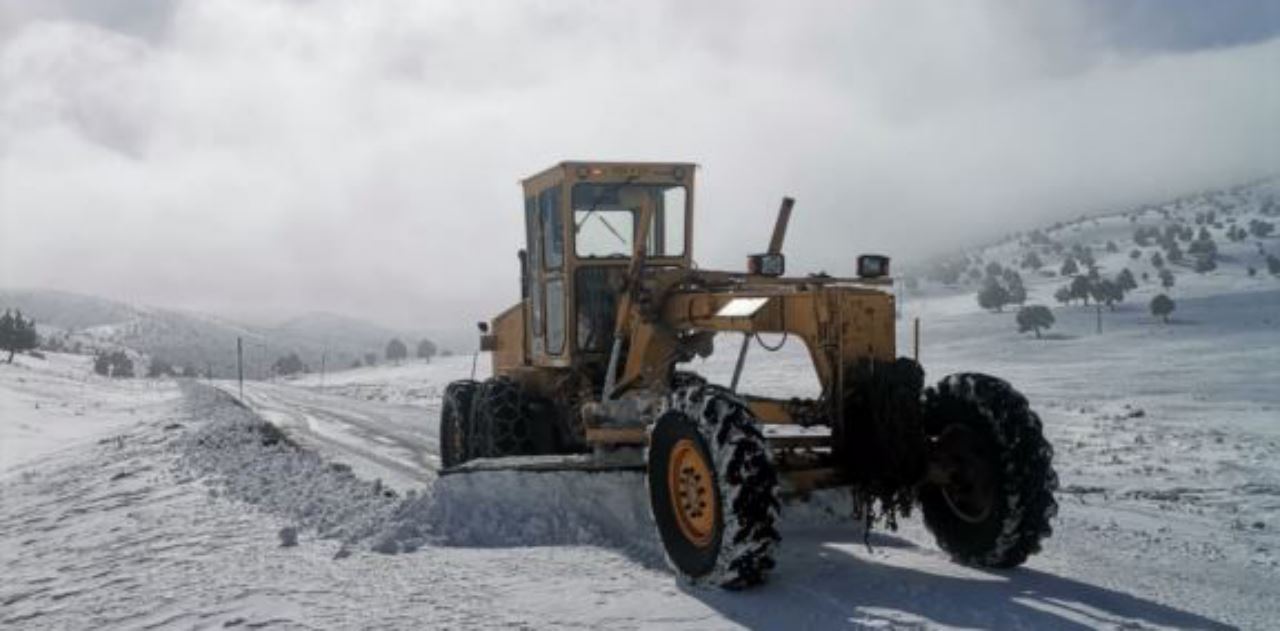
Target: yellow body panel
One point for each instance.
(509, 351)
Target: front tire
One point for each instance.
(995, 506)
(506, 421)
(455, 410)
(712, 489)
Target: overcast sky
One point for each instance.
(264, 158)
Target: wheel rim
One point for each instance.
(693, 500)
(970, 486)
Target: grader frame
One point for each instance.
(585, 378)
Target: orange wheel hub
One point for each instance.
(693, 498)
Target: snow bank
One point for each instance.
(509, 508)
(245, 458)
(248, 459)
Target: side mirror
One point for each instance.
(523, 255)
(873, 266)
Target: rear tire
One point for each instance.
(997, 512)
(455, 410)
(712, 489)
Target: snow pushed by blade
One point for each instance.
(515, 508)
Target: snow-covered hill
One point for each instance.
(1242, 226)
(198, 341)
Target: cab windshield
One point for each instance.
(605, 218)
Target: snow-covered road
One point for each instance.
(392, 442)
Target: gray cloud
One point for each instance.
(267, 157)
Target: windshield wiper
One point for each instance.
(610, 227)
(595, 203)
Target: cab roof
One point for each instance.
(604, 168)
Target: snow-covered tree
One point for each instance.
(1012, 282)
(159, 368)
(1126, 281)
(396, 350)
(426, 349)
(1081, 288)
(17, 333)
(1166, 278)
(993, 295)
(1161, 307)
(113, 364)
(289, 364)
(1105, 291)
(1069, 267)
(1034, 318)
(1203, 247)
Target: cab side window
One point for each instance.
(533, 223)
(553, 231)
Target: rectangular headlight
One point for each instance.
(741, 307)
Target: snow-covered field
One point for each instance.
(175, 521)
(59, 403)
(316, 503)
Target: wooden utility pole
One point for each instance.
(240, 364)
(915, 339)
(1099, 318)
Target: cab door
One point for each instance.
(547, 309)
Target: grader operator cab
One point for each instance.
(586, 377)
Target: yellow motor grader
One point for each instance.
(586, 376)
